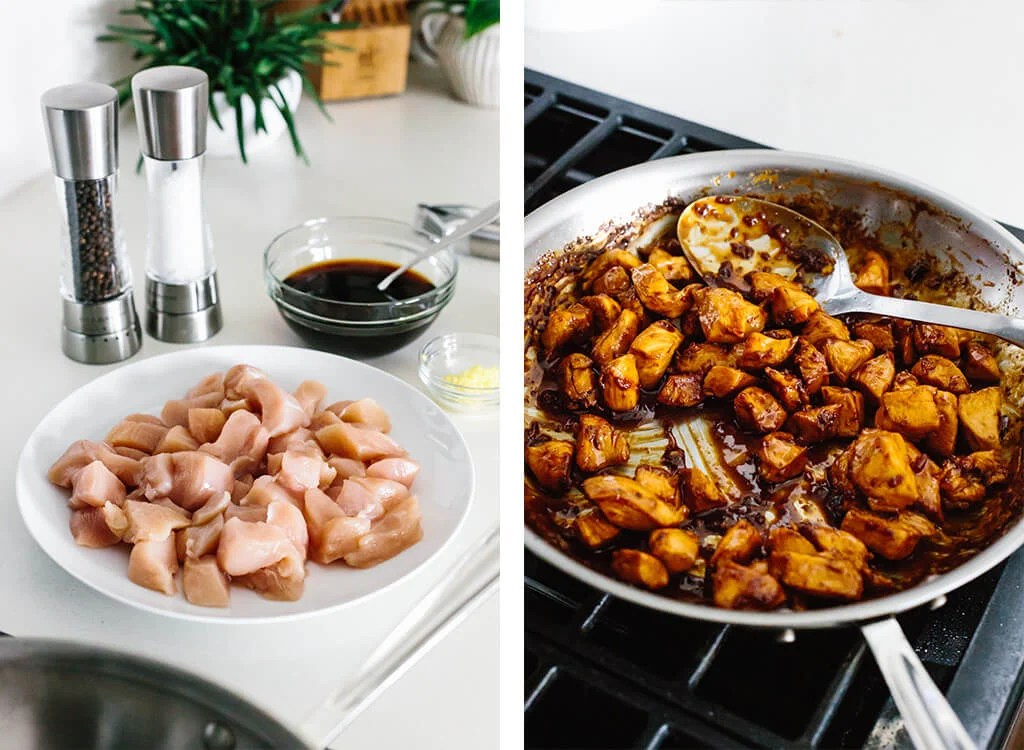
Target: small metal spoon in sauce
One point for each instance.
(725, 237)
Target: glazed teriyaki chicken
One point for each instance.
(852, 457)
(241, 481)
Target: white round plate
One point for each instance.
(444, 485)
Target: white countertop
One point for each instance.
(932, 90)
(378, 158)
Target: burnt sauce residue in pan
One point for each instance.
(554, 282)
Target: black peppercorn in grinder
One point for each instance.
(100, 324)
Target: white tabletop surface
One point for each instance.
(378, 158)
(932, 90)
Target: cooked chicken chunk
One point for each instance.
(700, 357)
(940, 372)
(758, 351)
(639, 568)
(726, 317)
(812, 365)
(875, 376)
(764, 283)
(821, 327)
(604, 308)
(658, 295)
(756, 409)
(740, 543)
(672, 267)
(682, 390)
(818, 575)
(660, 481)
(614, 282)
(567, 326)
(844, 357)
(935, 339)
(608, 260)
(653, 349)
(786, 539)
(980, 364)
(942, 441)
(700, 491)
(723, 382)
(594, 530)
(873, 274)
(880, 467)
(912, 412)
(965, 479)
(787, 388)
(892, 538)
(740, 587)
(678, 550)
(620, 383)
(630, 505)
(551, 463)
(780, 457)
(792, 306)
(979, 417)
(616, 340)
(878, 333)
(840, 544)
(851, 412)
(815, 424)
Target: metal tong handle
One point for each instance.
(434, 616)
(927, 716)
(472, 224)
(1003, 326)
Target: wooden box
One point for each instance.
(377, 60)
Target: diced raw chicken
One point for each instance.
(323, 419)
(213, 507)
(285, 515)
(153, 564)
(242, 486)
(302, 438)
(345, 468)
(188, 478)
(266, 490)
(246, 547)
(89, 528)
(278, 582)
(204, 582)
(309, 394)
(338, 407)
(402, 470)
(205, 424)
(396, 531)
(279, 411)
(166, 502)
(368, 496)
(238, 381)
(83, 452)
(149, 418)
(360, 443)
(213, 383)
(132, 453)
(332, 534)
(151, 522)
(94, 484)
(246, 512)
(229, 407)
(142, 436)
(299, 470)
(176, 440)
(116, 519)
(175, 411)
(196, 541)
(242, 443)
(367, 413)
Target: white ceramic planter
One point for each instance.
(224, 143)
(470, 65)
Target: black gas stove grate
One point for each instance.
(603, 673)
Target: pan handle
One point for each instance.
(927, 716)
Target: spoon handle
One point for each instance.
(1003, 326)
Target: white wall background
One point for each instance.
(46, 44)
(933, 89)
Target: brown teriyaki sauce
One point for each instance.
(356, 281)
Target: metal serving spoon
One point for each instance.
(722, 229)
(468, 227)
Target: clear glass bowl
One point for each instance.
(365, 328)
(452, 355)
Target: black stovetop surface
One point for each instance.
(603, 673)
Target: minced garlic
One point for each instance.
(475, 377)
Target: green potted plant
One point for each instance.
(256, 60)
(463, 38)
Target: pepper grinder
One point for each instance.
(182, 302)
(100, 325)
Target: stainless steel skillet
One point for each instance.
(903, 214)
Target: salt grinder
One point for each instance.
(99, 321)
(182, 302)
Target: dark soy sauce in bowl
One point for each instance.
(356, 281)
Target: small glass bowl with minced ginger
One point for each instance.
(461, 370)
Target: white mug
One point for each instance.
(470, 65)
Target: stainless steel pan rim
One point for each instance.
(614, 198)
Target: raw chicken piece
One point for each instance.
(286, 516)
(238, 381)
(151, 522)
(132, 453)
(402, 470)
(361, 443)
(149, 418)
(116, 520)
(277, 582)
(205, 424)
(242, 486)
(367, 413)
(94, 485)
(196, 541)
(175, 411)
(323, 419)
(338, 407)
(89, 528)
(345, 468)
(213, 383)
(302, 438)
(266, 490)
(332, 534)
(213, 507)
(309, 394)
(83, 452)
(205, 584)
(142, 436)
(177, 439)
(246, 512)
(242, 443)
(188, 478)
(153, 564)
(300, 470)
(396, 531)
(166, 502)
(369, 496)
(246, 547)
(279, 411)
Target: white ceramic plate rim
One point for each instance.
(40, 522)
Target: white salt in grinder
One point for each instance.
(99, 321)
(182, 302)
